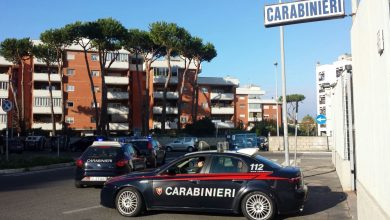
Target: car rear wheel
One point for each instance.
(128, 202)
(258, 206)
(78, 184)
(190, 149)
(169, 149)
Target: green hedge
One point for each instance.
(19, 162)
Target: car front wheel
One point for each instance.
(128, 202)
(190, 149)
(258, 206)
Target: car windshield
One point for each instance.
(103, 152)
(267, 162)
(244, 141)
(140, 145)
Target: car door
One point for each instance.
(228, 175)
(160, 152)
(178, 185)
(177, 144)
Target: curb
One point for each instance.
(37, 168)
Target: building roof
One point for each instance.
(218, 81)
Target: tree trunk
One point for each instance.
(22, 121)
(130, 104)
(181, 89)
(53, 120)
(164, 110)
(93, 92)
(139, 90)
(103, 112)
(195, 95)
(14, 95)
(63, 103)
(147, 97)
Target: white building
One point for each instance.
(370, 36)
(4, 84)
(326, 76)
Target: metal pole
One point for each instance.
(285, 130)
(6, 139)
(296, 134)
(276, 101)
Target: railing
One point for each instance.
(46, 125)
(221, 96)
(44, 77)
(46, 110)
(222, 110)
(170, 95)
(118, 126)
(45, 93)
(168, 125)
(117, 95)
(116, 80)
(170, 110)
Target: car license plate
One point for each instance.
(97, 178)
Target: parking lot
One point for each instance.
(50, 194)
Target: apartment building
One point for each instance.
(126, 88)
(4, 85)
(326, 76)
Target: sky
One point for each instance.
(246, 49)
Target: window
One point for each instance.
(266, 107)
(70, 72)
(95, 73)
(191, 165)
(96, 89)
(224, 164)
(136, 61)
(3, 118)
(205, 105)
(70, 56)
(242, 97)
(69, 104)
(93, 120)
(274, 107)
(183, 119)
(321, 76)
(204, 90)
(242, 115)
(322, 99)
(242, 106)
(69, 120)
(3, 85)
(45, 102)
(254, 96)
(69, 88)
(94, 57)
(93, 104)
(254, 106)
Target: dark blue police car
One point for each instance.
(210, 181)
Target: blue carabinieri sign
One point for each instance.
(302, 11)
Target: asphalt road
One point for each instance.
(50, 194)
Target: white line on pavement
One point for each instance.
(83, 209)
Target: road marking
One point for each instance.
(82, 210)
(36, 171)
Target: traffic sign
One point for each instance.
(321, 119)
(6, 105)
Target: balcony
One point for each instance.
(162, 79)
(122, 110)
(170, 95)
(45, 93)
(254, 101)
(170, 110)
(225, 124)
(117, 95)
(119, 126)
(222, 110)
(46, 110)
(44, 77)
(46, 125)
(116, 80)
(221, 96)
(168, 125)
(4, 94)
(254, 110)
(252, 119)
(40, 62)
(4, 77)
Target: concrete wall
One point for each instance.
(371, 80)
(304, 143)
(210, 140)
(343, 169)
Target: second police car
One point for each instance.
(213, 181)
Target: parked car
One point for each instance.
(15, 145)
(105, 159)
(35, 143)
(262, 143)
(243, 141)
(151, 149)
(189, 144)
(61, 142)
(84, 142)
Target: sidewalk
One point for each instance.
(327, 200)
